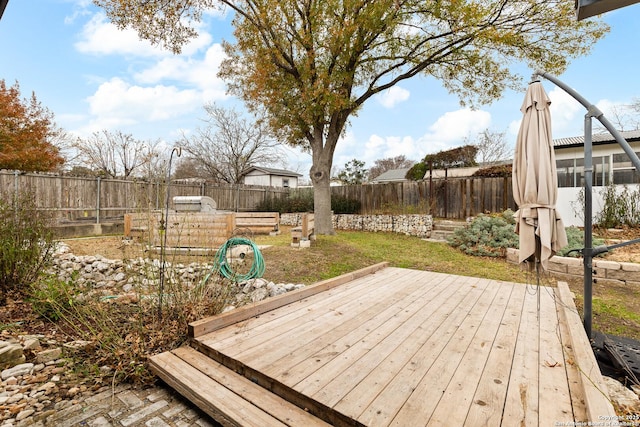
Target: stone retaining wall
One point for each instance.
(604, 271)
(412, 225)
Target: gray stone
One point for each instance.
(49, 355)
(10, 353)
(16, 371)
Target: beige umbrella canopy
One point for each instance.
(535, 181)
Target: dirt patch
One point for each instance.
(630, 253)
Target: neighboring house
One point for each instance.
(610, 163)
(393, 175)
(270, 177)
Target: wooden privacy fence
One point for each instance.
(454, 198)
(99, 200)
(95, 199)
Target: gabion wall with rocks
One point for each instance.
(412, 225)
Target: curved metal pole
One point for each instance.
(165, 225)
(592, 111)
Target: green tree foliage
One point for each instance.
(311, 65)
(353, 173)
(417, 171)
(27, 133)
(497, 171)
(459, 157)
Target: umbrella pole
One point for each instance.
(592, 111)
(588, 225)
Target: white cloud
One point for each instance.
(567, 115)
(393, 96)
(117, 103)
(201, 74)
(452, 128)
(100, 37)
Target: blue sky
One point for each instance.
(94, 77)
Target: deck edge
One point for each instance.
(213, 323)
(596, 395)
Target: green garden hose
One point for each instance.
(221, 265)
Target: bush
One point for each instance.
(304, 203)
(487, 235)
(344, 205)
(26, 243)
(575, 237)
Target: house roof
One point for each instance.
(392, 175)
(597, 139)
(272, 171)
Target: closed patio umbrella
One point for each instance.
(535, 182)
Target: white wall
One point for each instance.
(567, 204)
(270, 180)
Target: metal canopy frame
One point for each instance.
(589, 251)
(588, 8)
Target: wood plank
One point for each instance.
(297, 365)
(391, 399)
(220, 403)
(434, 382)
(488, 400)
(213, 323)
(290, 312)
(521, 403)
(595, 391)
(573, 375)
(457, 398)
(355, 388)
(277, 407)
(346, 366)
(278, 333)
(553, 393)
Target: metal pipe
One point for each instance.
(178, 151)
(588, 224)
(98, 202)
(595, 112)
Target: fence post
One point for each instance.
(16, 186)
(98, 202)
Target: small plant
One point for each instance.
(26, 242)
(620, 207)
(344, 205)
(51, 297)
(575, 238)
(487, 235)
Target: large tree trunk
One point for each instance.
(320, 174)
(322, 203)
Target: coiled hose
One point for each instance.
(221, 265)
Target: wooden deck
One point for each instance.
(396, 347)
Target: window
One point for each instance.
(623, 170)
(285, 182)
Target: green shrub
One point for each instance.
(486, 235)
(303, 202)
(344, 205)
(620, 207)
(52, 297)
(575, 237)
(26, 243)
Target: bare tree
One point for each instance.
(115, 154)
(624, 117)
(229, 144)
(492, 147)
(383, 165)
